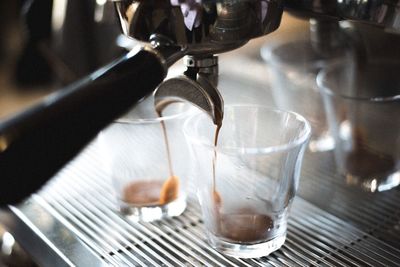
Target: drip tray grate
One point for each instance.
(81, 196)
(75, 220)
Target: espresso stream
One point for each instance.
(147, 193)
(216, 196)
(243, 225)
(170, 189)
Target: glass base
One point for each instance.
(322, 143)
(239, 250)
(375, 184)
(152, 213)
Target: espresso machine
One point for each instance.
(36, 143)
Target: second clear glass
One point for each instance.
(363, 105)
(293, 65)
(150, 179)
(247, 183)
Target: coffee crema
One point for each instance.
(245, 225)
(151, 193)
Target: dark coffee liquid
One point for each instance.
(245, 225)
(148, 193)
(363, 162)
(143, 193)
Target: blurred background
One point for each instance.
(43, 46)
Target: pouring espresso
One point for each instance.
(36, 143)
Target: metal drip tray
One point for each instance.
(74, 220)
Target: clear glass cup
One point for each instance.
(136, 157)
(293, 65)
(257, 162)
(363, 110)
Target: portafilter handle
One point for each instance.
(36, 143)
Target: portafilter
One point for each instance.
(37, 142)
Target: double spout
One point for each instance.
(198, 86)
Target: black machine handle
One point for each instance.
(36, 143)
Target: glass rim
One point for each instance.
(253, 150)
(322, 83)
(268, 55)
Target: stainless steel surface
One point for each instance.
(75, 219)
(199, 27)
(377, 12)
(45, 236)
(215, 26)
